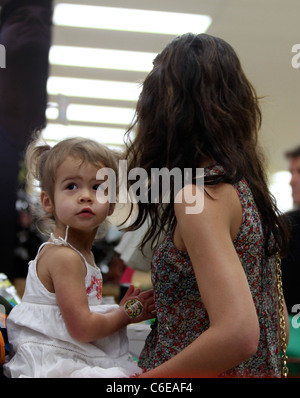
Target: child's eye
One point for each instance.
(71, 186)
(99, 186)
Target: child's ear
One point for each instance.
(111, 209)
(46, 202)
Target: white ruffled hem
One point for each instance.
(37, 360)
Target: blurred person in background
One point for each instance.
(25, 33)
(291, 264)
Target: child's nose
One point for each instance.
(85, 197)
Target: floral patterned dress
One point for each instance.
(181, 314)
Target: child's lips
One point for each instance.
(86, 212)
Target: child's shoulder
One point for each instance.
(55, 263)
(60, 255)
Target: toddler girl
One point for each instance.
(62, 328)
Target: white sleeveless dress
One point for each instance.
(41, 345)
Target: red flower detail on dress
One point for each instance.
(96, 284)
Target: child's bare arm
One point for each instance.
(68, 275)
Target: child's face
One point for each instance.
(75, 202)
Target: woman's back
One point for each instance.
(181, 314)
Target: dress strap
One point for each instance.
(61, 242)
(214, 169)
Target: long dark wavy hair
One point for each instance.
(197, 104)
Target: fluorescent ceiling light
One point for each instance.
(94, 114)
(110, 136)
(89, 88)
(101, 58)
(125, 19)
(100, 114)
(52, 111)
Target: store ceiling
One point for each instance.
(262, 32)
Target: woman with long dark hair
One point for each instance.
(213, 272)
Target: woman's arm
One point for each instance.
(233, 334)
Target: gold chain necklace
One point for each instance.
(282, 333)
